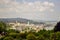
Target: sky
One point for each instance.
(48, 10)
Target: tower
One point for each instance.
(16, 22)
(28, 23)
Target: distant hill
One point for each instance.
(7, 20)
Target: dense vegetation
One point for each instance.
(31, 35)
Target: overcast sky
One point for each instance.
(30, 9)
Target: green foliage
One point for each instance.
(40, 37)
(13, 35)
(41, 31)
(31, 37)
(2, 26)
(58, 36)
(8, 38)
(52, 36)
(12, 31)
(23, 35)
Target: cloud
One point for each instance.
(36, 9)
(37, 6)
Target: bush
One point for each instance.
(8, 38)
(31, 37)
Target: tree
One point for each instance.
(57, 27)
(40, 37)
(55, 36)
(52, 36)
(12, 31)
(8, 38)
(31, 37)
(58, 36)
(3, 27)
(23, 35)
(14, 35)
